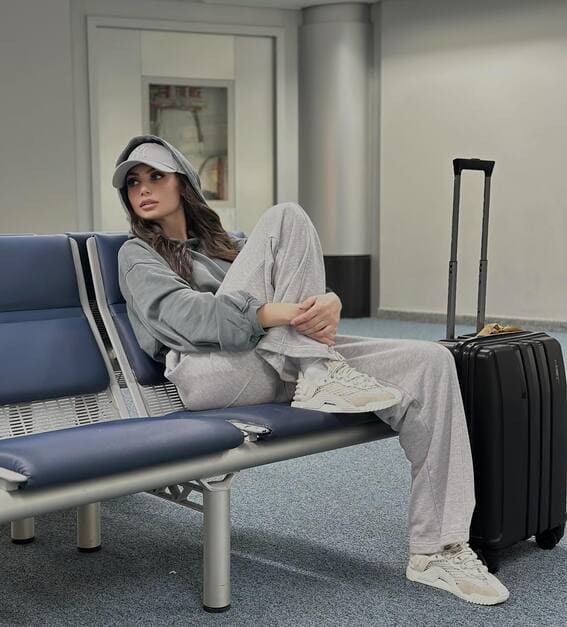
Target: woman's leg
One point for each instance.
(282, 261)
(433, 433)
(211, 380)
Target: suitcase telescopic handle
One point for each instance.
(473, 164)
(458, 166)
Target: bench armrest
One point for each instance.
(10, 480)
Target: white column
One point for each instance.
(335, 61)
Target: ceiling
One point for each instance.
(280, 4)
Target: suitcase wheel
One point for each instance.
(549, 538)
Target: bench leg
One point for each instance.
(88, 528)
(216, 546)
(23, 531)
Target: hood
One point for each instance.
(185, 164)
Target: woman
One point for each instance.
(246, 321)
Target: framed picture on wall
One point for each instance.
(197, 116)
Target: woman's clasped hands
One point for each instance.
(319, 318)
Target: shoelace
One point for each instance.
(343, 372)
(348, 374)
(467, 558)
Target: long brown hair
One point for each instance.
(202, 222)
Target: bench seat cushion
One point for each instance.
(68, 455)
(286, 421)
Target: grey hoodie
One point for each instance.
(165, 311)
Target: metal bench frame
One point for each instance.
(21, 419)
(175, 481)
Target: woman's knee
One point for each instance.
(291, 209)
(434, 355)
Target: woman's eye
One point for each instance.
(131, 182)
(157, 175)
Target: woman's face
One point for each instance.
(153, 195)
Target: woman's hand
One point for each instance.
(320, 317)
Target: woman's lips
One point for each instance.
(149, 205)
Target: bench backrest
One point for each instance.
(53, 373)
(81, 239)
(146, 370)
(152, 393)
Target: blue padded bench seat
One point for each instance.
(68, 455)
(285, 421)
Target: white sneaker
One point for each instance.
(459, 571)
(343, 390)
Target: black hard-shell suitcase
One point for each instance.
(515, 398)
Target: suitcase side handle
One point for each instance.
(473, 164)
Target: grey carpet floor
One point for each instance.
(320, 540)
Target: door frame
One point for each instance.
(277, 33)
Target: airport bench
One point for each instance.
(67, 438)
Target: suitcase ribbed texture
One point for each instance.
(514, 393)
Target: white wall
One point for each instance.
(255, 137)
(44, 105)
(484, 79)
(37, 174)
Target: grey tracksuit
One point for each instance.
(282, 262)
(168, 313)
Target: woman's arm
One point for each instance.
(180, 317)
(319, 318)
(277, 314)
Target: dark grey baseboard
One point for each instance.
(349, 277)
(439, 318)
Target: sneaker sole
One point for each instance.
(330, 408)
(441, 584)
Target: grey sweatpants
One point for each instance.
(282, 261)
